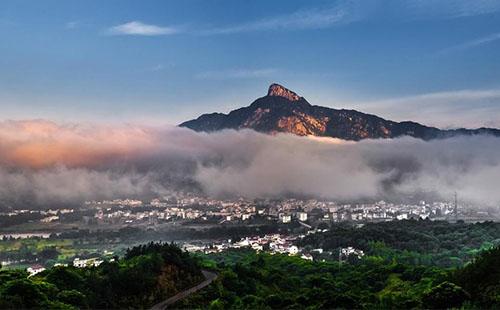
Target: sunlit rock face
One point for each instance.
(282, 110)
(302, 125)
(280, 91)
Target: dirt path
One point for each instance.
(209, 278)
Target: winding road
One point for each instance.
(209, 278)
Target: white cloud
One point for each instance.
(140, 29)
(236, 74)
(43, 163)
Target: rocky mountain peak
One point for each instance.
(274, 113)
(280, 91)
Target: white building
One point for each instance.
(60, 265)
(346, 252)
(307, 257)
(403, 216)
(302, 216)
(293, 250)
(82, 263)
(319, 251)
(33, 270)
(49, 219)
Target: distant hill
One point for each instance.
(282, 110)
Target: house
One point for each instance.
(82, 263)
(307, 257)
(346, 252)
(60, 265)
(293, 250)
(302, 216)
(33, 270)
(286, 218)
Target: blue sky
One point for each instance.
(437, 62)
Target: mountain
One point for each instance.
(282, 110)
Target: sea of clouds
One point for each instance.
(43, 163)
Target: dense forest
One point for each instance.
(408, 264)
(417, 242)
(146, 275)
(262, 281)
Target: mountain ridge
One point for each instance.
(282, 110)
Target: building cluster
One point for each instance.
(272, 243)
(284, 211)
(384, 211)
(345, 253)
(77, 262)
(178, 206)
(49, 212)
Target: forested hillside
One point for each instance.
(424, 242)
(261, 281)
(407, 264)
(146, 275)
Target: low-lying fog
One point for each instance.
(43, 162)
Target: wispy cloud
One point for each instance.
(469, 108)
(349, 11)
(452, 8)
(340, 13)
(236, 74)
(72, 24)
(343, 12)
(315, 18)
(156, 68)
(465, 94)
(140, 29)
(470, 44)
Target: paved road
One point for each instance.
(209, 278)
